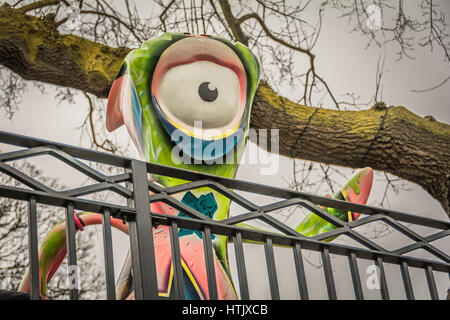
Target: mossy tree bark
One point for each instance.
(391, 139)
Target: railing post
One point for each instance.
(383, 281)
(141, 237)
(71, 253)
(178, 281)
(359, 295)
(299, 267)
(209, 262)
(331, 288)
(240, 261)
(407, 281)
(431, 283)
(271, 269)
(108, 255)
(33, 249)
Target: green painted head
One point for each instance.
(186, 101)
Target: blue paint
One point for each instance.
(206, 150)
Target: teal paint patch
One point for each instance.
(136, 110)
(206, 205)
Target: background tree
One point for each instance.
(89, 39)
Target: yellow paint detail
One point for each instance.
(169, 286)
(225, 134)
(349, 214)
(190, 276)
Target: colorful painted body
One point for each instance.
(53, 249)
(141, 98)
(152, 130)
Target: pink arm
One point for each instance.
(53, 248)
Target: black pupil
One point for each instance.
(207, 94)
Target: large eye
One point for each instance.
(200, 91)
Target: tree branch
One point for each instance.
(398, 141)
(118, 20)
(38, 5)
(34, 49)
(235, 24)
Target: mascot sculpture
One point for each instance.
(186, 102)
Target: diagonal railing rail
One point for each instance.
(134, 186)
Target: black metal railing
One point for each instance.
(141, 220)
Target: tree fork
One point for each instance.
(391, 139)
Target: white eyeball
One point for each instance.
(200, 91)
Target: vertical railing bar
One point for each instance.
(300, 268)
(271, 269)
(209, 260)
(71, 253)
(331, 288)
(178, 281)
(240, 261)
(136, 263)
(382, 278)
(108, 255)
(33, 250)
(407, 280)
(431, 283)
(133, 244)
(141, 237)
(355, 276)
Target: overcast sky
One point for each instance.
(344, 61)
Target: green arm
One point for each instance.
(310, 226)
(356, 190)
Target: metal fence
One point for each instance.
(141, 220)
